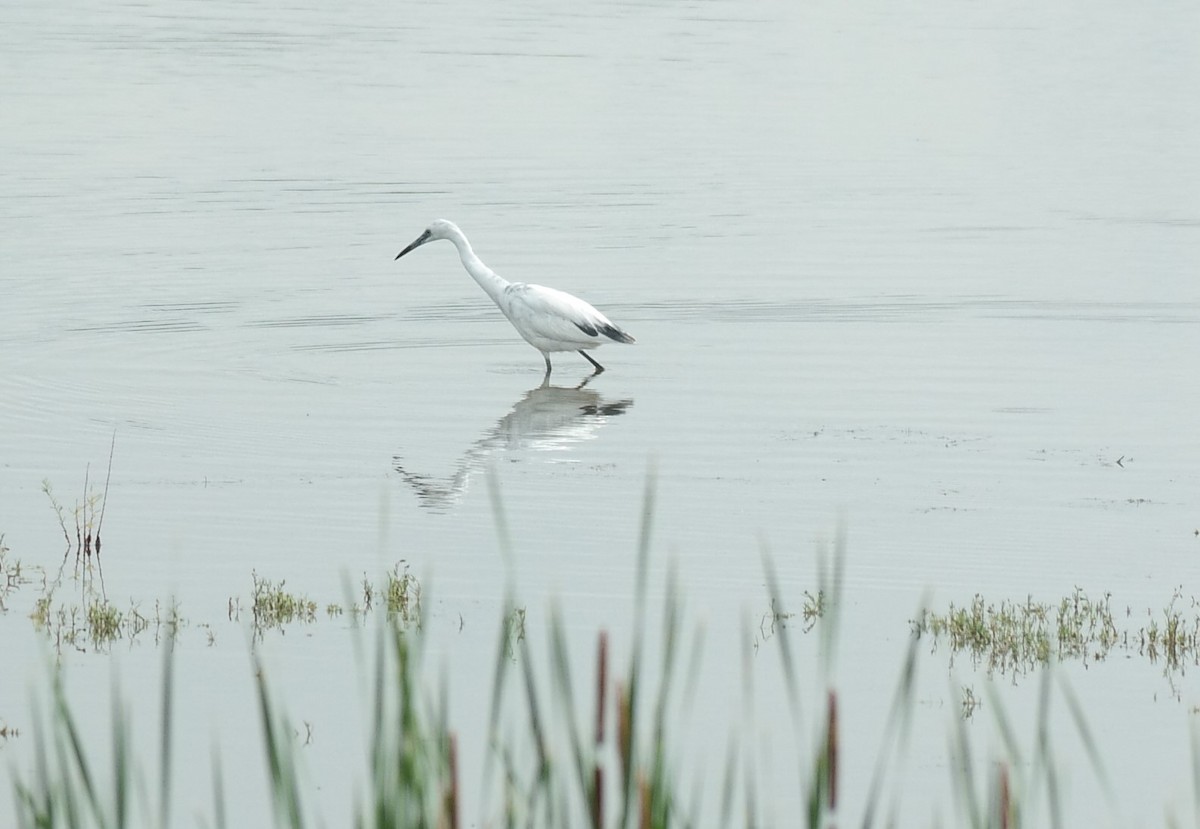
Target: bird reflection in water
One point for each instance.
(546, 419)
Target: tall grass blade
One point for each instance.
(631, 701)
(1195, 741)
(540, 787)
(1008, 735)
(499, 674)
(121, 761)
(452, 792)
(830, 579)
(1089, 742)
(503, 537)
(285, 788)
(790, 672)
(1044, 755)
(964, 776)
(662, 800)
(166, 727)
(729, 786)
(750, 765)
(112, 447)
(565, 694)
(75, 760)
(220, 819)
(895, 732)
(380, 773)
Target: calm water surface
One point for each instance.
(922, 271)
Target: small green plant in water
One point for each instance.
(1013, 638)
(814, 608)
(104, 622)
(14, 575)
(403, 595)
(969, 702)
(514, 631)
(274, 607)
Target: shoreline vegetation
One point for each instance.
(1005, 637)
(564, 751)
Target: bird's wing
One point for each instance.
(557, 315)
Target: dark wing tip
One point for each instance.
(611, 331)
(616, 334)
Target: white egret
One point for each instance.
(549, 320)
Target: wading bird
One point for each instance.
(549, 320)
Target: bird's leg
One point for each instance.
(546, 357)
(599, 368)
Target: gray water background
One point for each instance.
(925, 272)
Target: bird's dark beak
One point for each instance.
(420, 240)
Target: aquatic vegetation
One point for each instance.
(403, 593)
(607, 750)
(104, 622)
(400, 593)
(1015, 638)
(87, 514)
(85, 619)
(813, 609)
(88, 620)
(514, 631)
(553, 764)
(1173, 637)
(273, 607)
(96, 623)
(14, 575)
(969, 702)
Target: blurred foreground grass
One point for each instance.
(600, 752)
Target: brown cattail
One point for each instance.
(597, 771)
(624, 734)
(597, 797)
(1005, 804)
(601, 684)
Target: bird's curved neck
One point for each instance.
(491, 282)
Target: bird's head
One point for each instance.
(438, 229)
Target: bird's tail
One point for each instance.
(616, 334)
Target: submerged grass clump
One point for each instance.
(96, 624)
(1015, 638)
(1173, 637)
(14, 575)
(403, 593)
(104, 621)
(400, 594)
(88, 620)
(273, 607)
(1007, 637)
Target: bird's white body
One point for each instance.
(551, 320)
(548, 319)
